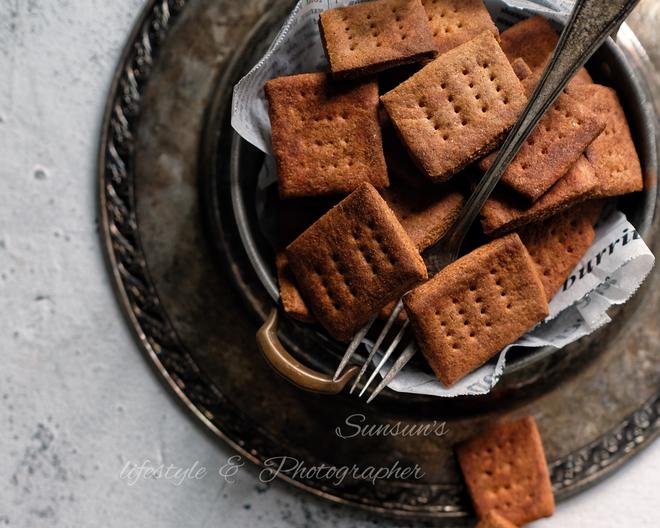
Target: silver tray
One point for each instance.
(194, 301)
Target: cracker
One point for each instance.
(326, 137)
(373, 36)
(353, 261)
(503, 213)
(534, 39)
(454, 22)
(506, 471)
(613, 153)
(425, 215)
(521, 69)
(494, 520)
(557, 244)
(474, 307)
(457, 108)
(292, 302)
(551, 149)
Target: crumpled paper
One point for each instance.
(609, 273)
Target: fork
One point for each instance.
(591, 22)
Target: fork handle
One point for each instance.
(290, 368)
(591, 22)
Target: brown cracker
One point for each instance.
(557, 244)
(475, 306)
(292, 302)
(352, 261)
(326, 136)
(506, 471)
(521, 69)
(613, 153)
(425, 215)
(457, 108)
(551, 149)
(373, 36)
(503, 213)
(494, 520)
(454, 22)
(534, 39)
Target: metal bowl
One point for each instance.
(611, 65)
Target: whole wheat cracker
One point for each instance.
(521, 69)
(370, 37)
(354, 260)
(506, 471)
(557, 244)
(326, 136)
(474, 307)
(457, 108)
(454, 22)
(555, 144)
(503, 213)
(494, 520)
(534, 39)
(425, 215)
(613, 153)
(292, 302)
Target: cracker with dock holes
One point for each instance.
(476, 306)
(557, 244)
(326, 136)
(425, 215)
(353, 261)
(506, 471)
(552, 148)
(613, 153)
(494, 520)
(292, 302)
(457, 108)
(503, 213)
(373, 36)
(454, 22)
(533, 40)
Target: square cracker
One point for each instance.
(292, 302)
(373, 36)
(494, 520)
(476, 306)
(506, 471)
(551, 149)
(326, 136)
(557, 244)
(425, 215)
(457, 108)
(533, 40)
(354, 260)
(503, 213)
(613, 153)
(454, 22)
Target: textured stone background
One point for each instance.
(77, 400)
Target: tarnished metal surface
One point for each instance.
(594, 412)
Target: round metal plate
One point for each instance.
(189, 317)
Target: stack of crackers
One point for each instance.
(418, 97)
